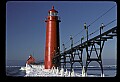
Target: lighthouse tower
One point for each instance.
(52, 37)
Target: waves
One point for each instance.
(14, 71)
(68, 66)
(105, 67)
(89, 67)
(13, 66)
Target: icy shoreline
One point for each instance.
(39, 71)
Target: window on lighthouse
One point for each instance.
(52, 13)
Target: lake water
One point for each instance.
(109, 68)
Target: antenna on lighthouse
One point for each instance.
(52, 7)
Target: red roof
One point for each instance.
(30, 60)
(53, 10)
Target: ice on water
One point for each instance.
(39, 71)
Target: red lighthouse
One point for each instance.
(52, 37)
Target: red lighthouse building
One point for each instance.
(52, 37)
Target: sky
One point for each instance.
(26, 26)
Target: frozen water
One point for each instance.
(39, 71)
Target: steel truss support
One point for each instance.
(77, 53)
(98, 58)
(100, 43)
